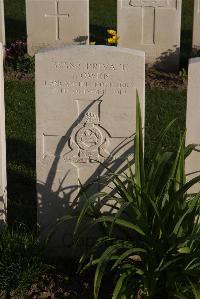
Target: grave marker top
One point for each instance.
(144, 25)
(56, 22)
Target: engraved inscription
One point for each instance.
(90, 79)
(88, 138)
(91, 66)
(57, 15)
(149, 8)
(89, 141)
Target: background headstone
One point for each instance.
(56, 22)
(2, 23)
(193, 120)
(153, 26)
(85, 113)
(196, 26)
(3, 181)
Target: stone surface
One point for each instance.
(196, 26)
(3, 181)
(2, 23)
(85, 111)
(56, 22)
(153, 26)
(193, 120)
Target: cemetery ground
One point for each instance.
(165, 100)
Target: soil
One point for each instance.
(163, 80)
(65, 283)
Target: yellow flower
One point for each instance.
(111, 40)
(112, 32)
(115, 38)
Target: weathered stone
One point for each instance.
(193, 123)
(3, 180)
(196, 26)
(153, 26)
(2, 23)
(51, 23)
(85, 110)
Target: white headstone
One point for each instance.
(193, 120)
(2, 23)
(85, 111)
(153, 26)
(196, 26)
(3, 180)
(56, 22)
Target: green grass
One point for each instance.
(20, 131)
(161, 106)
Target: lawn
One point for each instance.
(161, 105)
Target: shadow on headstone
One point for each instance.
(52, 203)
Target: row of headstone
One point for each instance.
(85, 116)
(142, 24)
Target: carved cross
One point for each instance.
(57, 15)
(149, 8)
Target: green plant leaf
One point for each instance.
(119, 286)
(139, 159)
(121, 222)
(127, 254)
(184, 250)
(101, 266)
